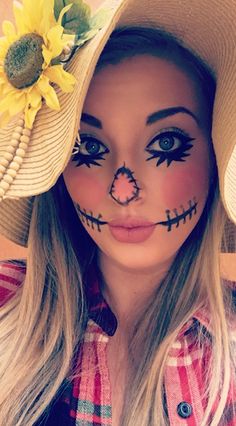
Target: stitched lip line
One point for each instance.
(90, 220)
(132, 222)
(178, 217)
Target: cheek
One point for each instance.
(184, 185)
(84, 189)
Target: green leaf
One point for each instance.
(77, 19)
(58, 6)
(85, 37)
(100, 18)
(96, 23)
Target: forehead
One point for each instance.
(142, 82)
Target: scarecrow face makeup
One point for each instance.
(140, 173)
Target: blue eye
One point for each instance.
(87, 150)
(92, 147)
(170, 145)
(167, 142)
(89, 145)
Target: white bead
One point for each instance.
(27, 132)
(4, 185)
(2, 192)
(23, 145)
(21, 122)
(16, 136)
(12, 172)
(18, 159)
(15, 142)
(20, 152)
(8, 156)
(4, 162)
(19, 129)
(66, 50)
(11, 149)
(8, 179)
(14, 166)
(25, 139)
(2, 168)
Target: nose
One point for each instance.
(124, 188)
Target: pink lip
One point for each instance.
(131, 229)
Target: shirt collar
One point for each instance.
(98, 309)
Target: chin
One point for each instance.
(139, 260)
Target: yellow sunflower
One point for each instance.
(26, 54)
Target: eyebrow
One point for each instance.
(91, 120)
(152, 118)
(167, 112)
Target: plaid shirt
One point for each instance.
(87, 400)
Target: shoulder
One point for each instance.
(12, 275)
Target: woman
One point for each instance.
(121, 316)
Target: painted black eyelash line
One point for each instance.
(176, 220)
(76, 148)
(87, 160)
(90, 220)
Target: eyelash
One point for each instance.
(177, 154)
(88, 159)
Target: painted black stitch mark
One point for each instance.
(90, 220)
(178, 217)
(94, 222)
(131, 191)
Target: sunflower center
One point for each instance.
(24, 60)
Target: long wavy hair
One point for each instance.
(42, 326)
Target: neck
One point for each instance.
(128, 291)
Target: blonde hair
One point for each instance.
(193, 282)
(42, 326)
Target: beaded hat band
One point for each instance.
(40, 108)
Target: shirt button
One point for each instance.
(184, 410)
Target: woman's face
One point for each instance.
(140, 177)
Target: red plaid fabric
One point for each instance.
(87, 400)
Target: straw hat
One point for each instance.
(31, 160)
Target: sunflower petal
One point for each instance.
(11, 101)
(6, 102)
(4, 46)
(43, 84)
(54, 37)
(18, 105)
(48, 93)
(62, 78)
(8, 29)
(30, 115)
(20, 18)
(34, 98)
(4, 119)
(47, 55)
(34, 12)
(6, 88)
(48, 18)
(52, 99)
(68, 37)
(2, 74)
